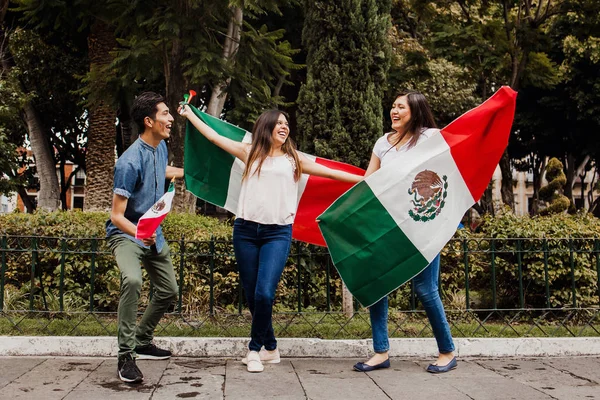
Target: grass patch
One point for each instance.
(313, 325)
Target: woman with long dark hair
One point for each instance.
(412, 123)
(262, 230)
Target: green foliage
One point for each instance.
(8, 164)
(78, 224)
(552, 192)
(77, 263)
(340, 112)
(523, 240)
(45, 66)
(559, 244)
(541, 71)
(264, 60)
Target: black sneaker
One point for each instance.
(128, 370)
(151, 352)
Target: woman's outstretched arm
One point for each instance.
(312, 168)
(236, 149)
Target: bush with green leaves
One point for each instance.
(560, 250)
(552, 193)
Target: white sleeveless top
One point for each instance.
(386, 152)
(272, 197)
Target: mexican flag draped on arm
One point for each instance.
(389, 227)
(215, 176)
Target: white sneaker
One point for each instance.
(266, 357)
(253, 362)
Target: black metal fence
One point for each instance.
(490, 287)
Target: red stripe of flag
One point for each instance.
(478, 138)
(319, 194)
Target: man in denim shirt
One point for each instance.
(139, 182)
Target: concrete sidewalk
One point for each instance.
(218, 378)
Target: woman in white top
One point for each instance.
(412, 123)
(262, 231)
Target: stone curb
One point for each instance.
(106, 346)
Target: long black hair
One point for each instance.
(421, 117)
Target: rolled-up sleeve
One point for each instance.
(125, 178)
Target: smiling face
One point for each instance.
(400, 114)
(162, 123)
(280, 132)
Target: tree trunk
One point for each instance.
(100, 158)
(486, 203)
(176, 86)
(538, 172)
(49, 194)
(230, 48)
(126, 133)
(29, 206)
(507, 181)
(347, 302)
(590, 193)
(63, 185)
(570, 170)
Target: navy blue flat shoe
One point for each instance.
(362, 367)
(436, 369)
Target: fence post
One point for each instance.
(466, 261)
(61, 288)
(328, 283)
(493, 267)
(2, 272)
(572, 262)
(597, 251)
(181, 264)
(520, 266)
(33, 262)
(546, 277)
(299, 276)
(93, 273)
(212, 276)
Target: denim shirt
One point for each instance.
(140, 177)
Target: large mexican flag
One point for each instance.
(389, 227)
(215, 176)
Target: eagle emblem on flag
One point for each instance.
(429, 193)
(159, 206)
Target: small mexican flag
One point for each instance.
(389, 227)
(152, 218)
(214, 175)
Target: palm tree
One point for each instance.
(100, 157)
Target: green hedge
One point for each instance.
(92, 224)
(198, 230)
(556, 230)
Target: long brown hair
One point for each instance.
(421, 117)
(262, 141)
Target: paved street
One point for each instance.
(300, 378)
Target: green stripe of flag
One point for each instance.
(367, 254)
(207, 167)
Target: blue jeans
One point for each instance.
(261, 252)
(426, 287)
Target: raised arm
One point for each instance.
(312, 168)
(236, 149)
(173, 172)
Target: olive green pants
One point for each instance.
(130, 258)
